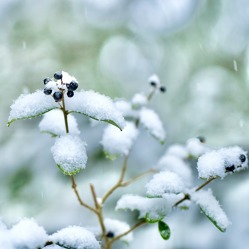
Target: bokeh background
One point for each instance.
(199, 49)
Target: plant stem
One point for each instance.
(119, 182)
(140, 223)
(99, 213)
(187, 197)
(65, 113)
(82, 203)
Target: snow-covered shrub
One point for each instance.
(172, 186)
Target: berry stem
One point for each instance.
(65, 113)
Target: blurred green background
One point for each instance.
(199, 49)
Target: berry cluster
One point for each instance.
(155, 82)
(61, 83)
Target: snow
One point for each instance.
(126, 109)
(75, 237)
(211, 207)
(195, 147)
(31, 105)
(139, 100)
(154, 78)
(69, 153)
(116, 142)
(152, 208)
(176, 165)
(178, 151)
(54, 124)
(95, 105)
(27, 234)
(152, 123)
(165, 182)
(118, 227)
(220, 163)
(67, 78)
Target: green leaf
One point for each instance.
(68, 173)
(31, 105)
(213, 221)
(152, 220)
(164, 230)
(110, 156)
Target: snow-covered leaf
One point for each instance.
(75, 237)
(152, 209)
(211, 208)
(96, 106)
(139, 100)
(69, 153)
(27, 234)
(196, 147)
(54, 124)
(165, 182)
(31, 105)
(116, 142)
(152, 123)
(164, 230)
(116, 227)
(219, 163)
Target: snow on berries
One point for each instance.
(155, 82)
(220, 163)
(61, 83)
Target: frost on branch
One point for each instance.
(27, 234)
(69, 153)
(30, 106)
(75, 237)
(53, 123)
(211, 208)
(96, 106)
(152, 123)
(152, 209)
(116, 142)
(165, 182)
(116, 227)
(220, 163)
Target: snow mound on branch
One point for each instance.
(75, 237)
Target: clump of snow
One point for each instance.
(67, 78)
(211, 207)
(219, 163)
(165, 182)
(116, 228)
(116, 142)
(69, 153)
(178, 150)
(54, 124)
(27, 234)
(152, 123)
(152, 208)
(154, 79)
(5, 239)
(196, 148)
(31, 105)
(126, 109)
(175, 164)
(95, 105)
(139, 100)
(75, 237)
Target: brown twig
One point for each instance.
(187, 197)
(82, 203)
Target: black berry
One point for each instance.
(230, 168)
(47, 91)
(70, 94)
(162, 89)
(72, 86)
(58, 75)
(46, 80)
(58, 96)
(110, 235)
(152, 83)
(242, 158)
(202, 139)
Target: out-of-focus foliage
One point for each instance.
(198, 48)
